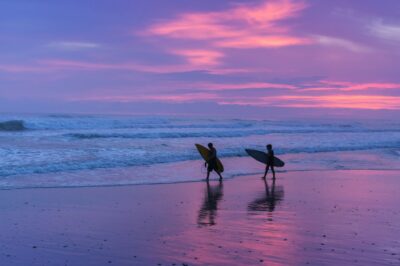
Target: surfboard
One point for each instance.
(262, 157)
(204, 152)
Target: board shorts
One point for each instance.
(212, 165)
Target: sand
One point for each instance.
(305, 218)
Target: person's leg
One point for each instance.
(273, 172)
(220, 176)
(208, 174)
(266, 171)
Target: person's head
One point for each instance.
(210, 145)
(269, 147)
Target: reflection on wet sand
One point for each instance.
(268, 200)
(208, 211)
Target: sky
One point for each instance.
(192, 57)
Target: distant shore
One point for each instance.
(306, 218)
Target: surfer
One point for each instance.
(270, 162)
(212, 161)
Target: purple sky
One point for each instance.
(183, 56)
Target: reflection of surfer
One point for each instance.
(270, 162)
(212, 161)
(269, 200)
(210, 205)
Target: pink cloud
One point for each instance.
(351, 86)
(240, 27)
(241, 86)
(262, 42)
(374, 102)
(268, 12)
(367, 86)
(283, 95)
(238, 22)
(198, 57)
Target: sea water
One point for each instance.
(93, 150)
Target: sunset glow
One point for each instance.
(281, 53)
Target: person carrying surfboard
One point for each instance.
(270, 162)
(212, 161)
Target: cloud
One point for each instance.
(235, 23)
(243, 86)
(239, 27)
(327, 94)
(198, 61)
(200, 58)
(342, 43)
(170, 97)
(262, 42)
(73, 46)
(385, 31)
(129, 66)
(351, 86)
(372, 102)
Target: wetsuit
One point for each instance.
(212, 162)
(270, 160)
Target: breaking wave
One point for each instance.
(12, 125)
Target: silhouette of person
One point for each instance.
(270, 162)
(208, 210)
(269, 200)
(212, 161)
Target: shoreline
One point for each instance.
(213, 178)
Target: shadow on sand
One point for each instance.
(268, 200)
(208, 210)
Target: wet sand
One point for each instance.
(305, 218)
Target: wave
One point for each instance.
(212, 134)
(84, 124)
(75, 123)
(151, 158)
(311, 150)
(12, 125)
(167, 135)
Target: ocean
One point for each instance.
(93, 150)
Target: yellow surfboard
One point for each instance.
(204, 152)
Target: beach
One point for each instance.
(113, 114)
(333, 217)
